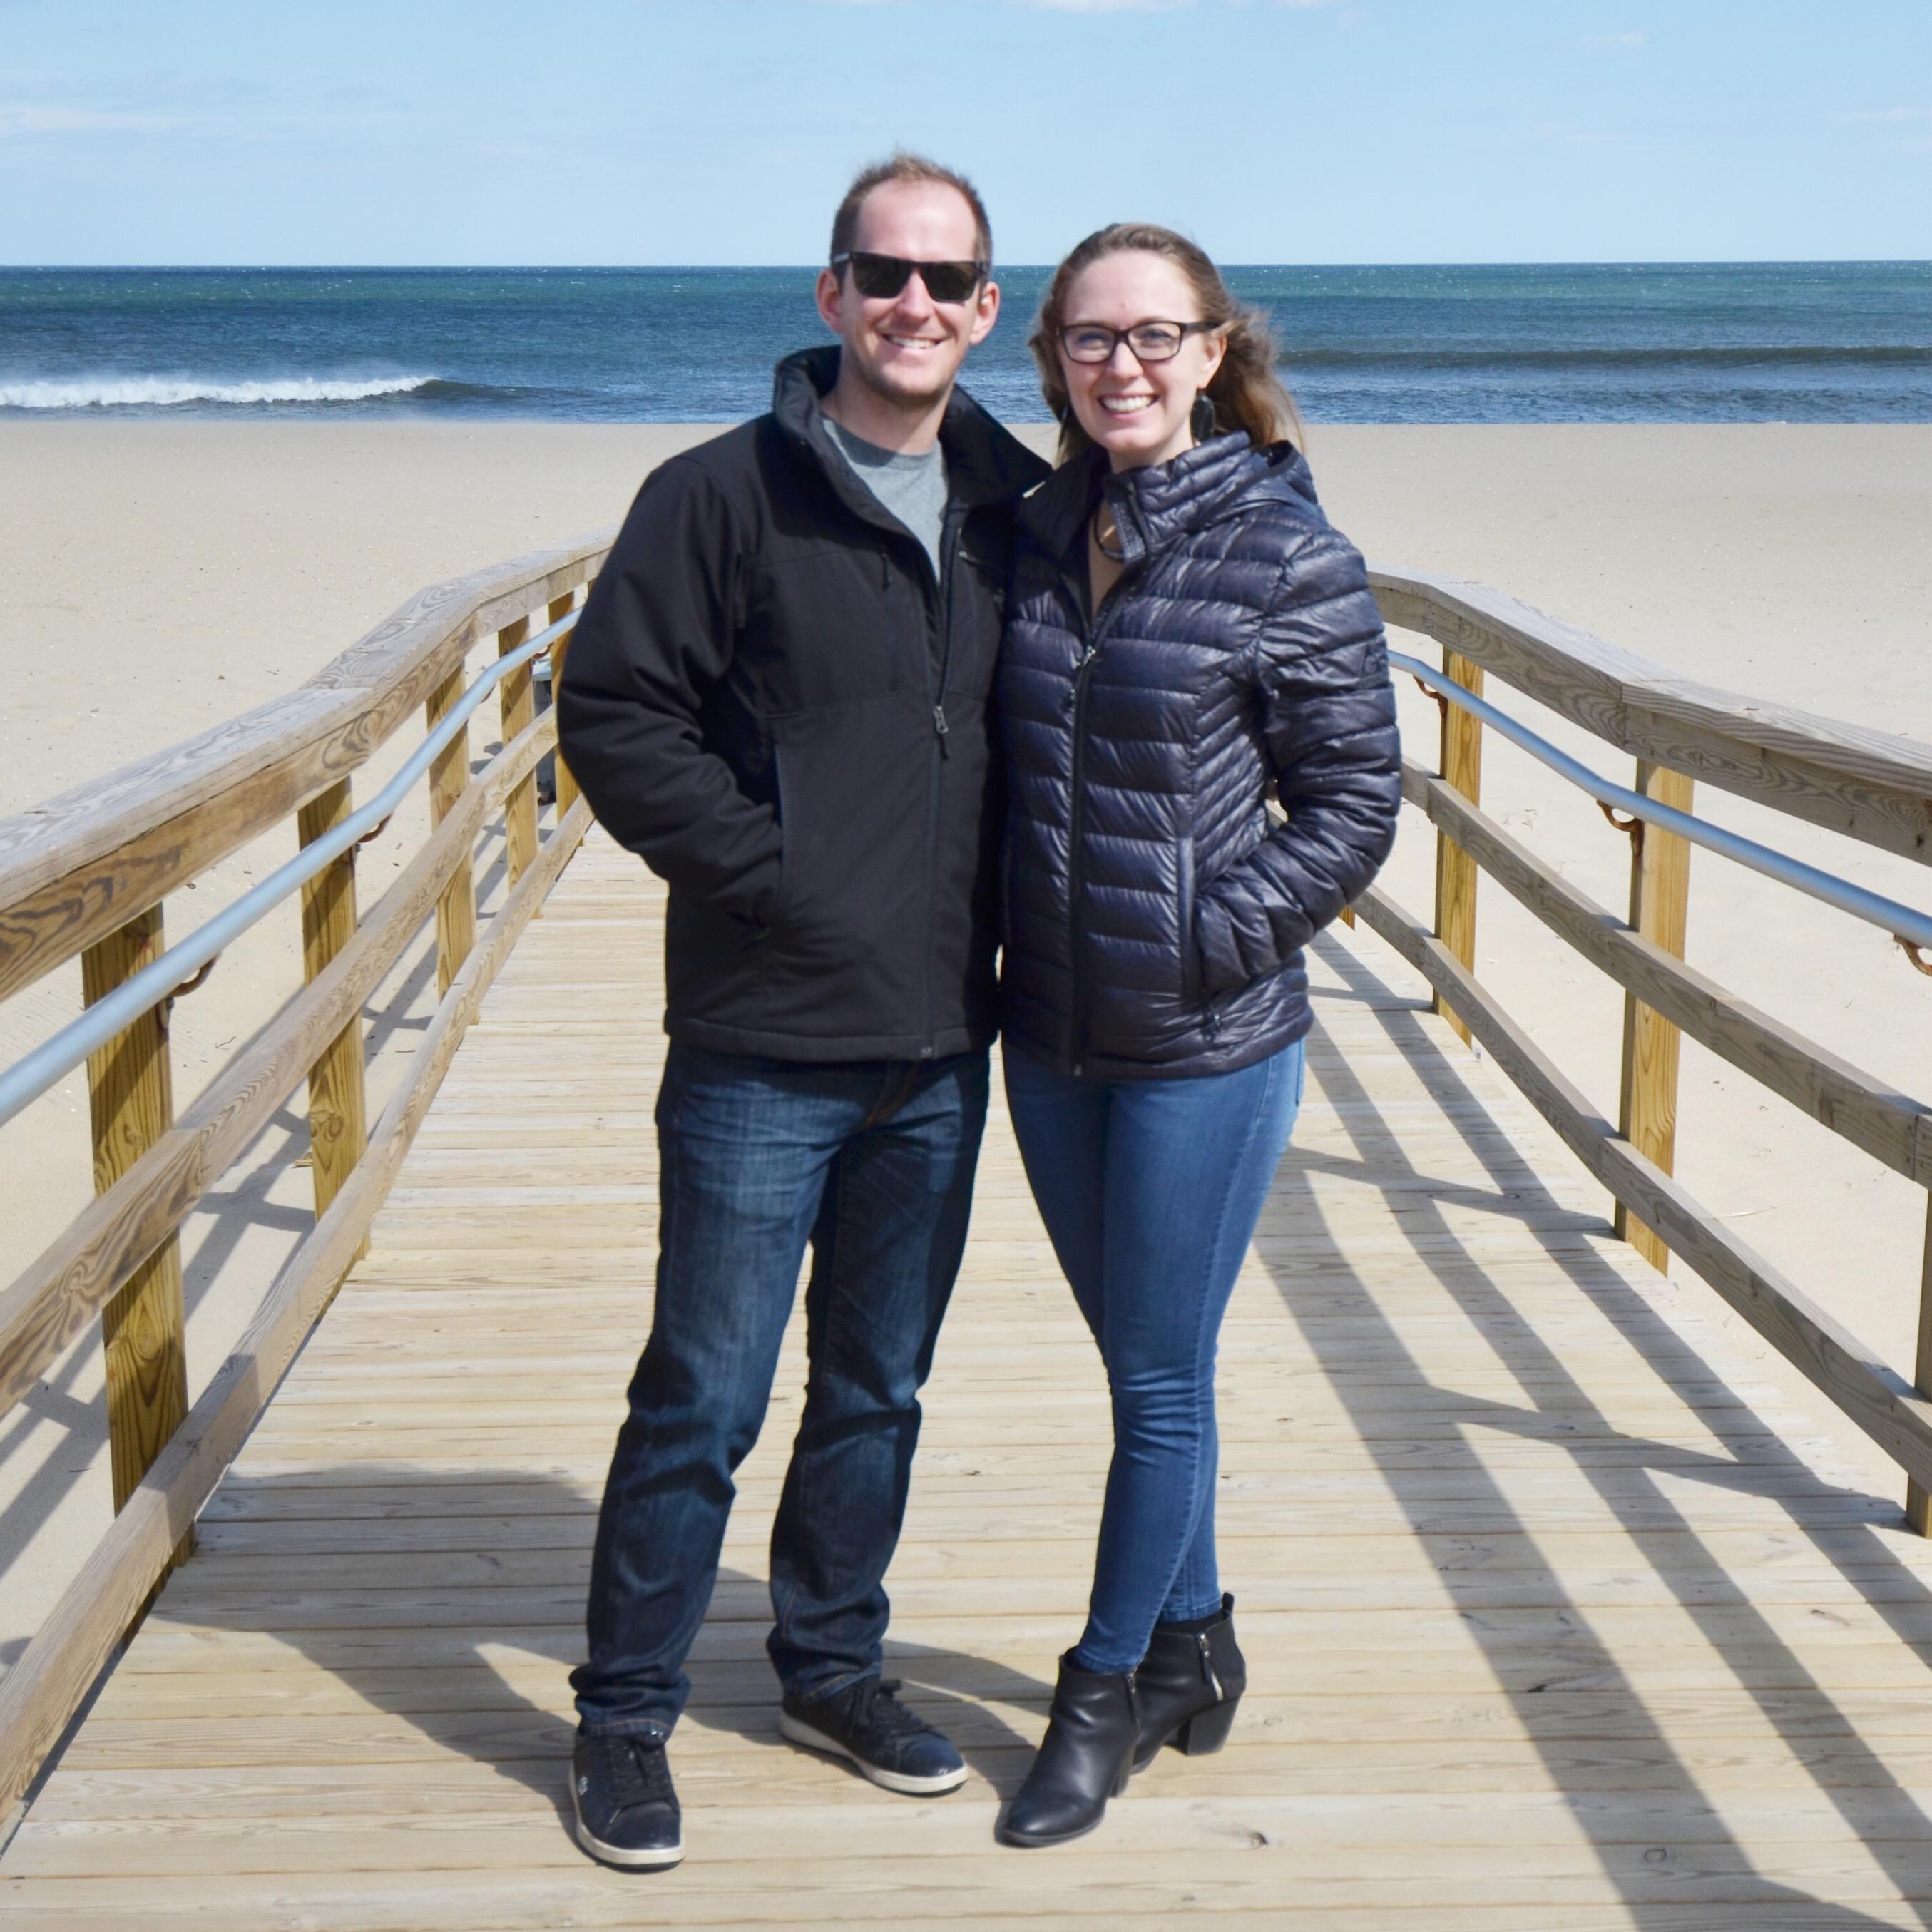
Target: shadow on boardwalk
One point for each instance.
(494, 1690)
(1589, 1719)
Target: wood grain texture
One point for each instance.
(130, 1098)
(567, 792)
(1872, 1393)
(53, 1299)
(1456, 870)
(1871, 786)
(1659, 899)
(42, 1691)
(73, 869)
(337, 1119)
(1918, 1495)
(1891, 1127)
(449, 779)
(517, 698)
(1553, 1614)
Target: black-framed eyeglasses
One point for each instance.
(886, 275)
(1151, 341)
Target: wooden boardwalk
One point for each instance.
(1557, 1617)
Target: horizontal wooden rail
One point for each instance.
(52, 1301)
(1891, 1126)
(44, 1688)
(86, 863)
(1873, 787)
(1875, 1397)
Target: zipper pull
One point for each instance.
(939, 728)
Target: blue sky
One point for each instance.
(614, 131)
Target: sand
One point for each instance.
(160, 577)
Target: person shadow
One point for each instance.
(452, 1603)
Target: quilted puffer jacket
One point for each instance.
(1155, 911)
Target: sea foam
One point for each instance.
(107, 392)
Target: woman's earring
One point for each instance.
(1200, 420)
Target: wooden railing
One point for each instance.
(1873, 788)
(87, 874)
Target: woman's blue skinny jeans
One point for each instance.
(1151, 1190)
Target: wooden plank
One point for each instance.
(1531, 1592)
(567, 792)
(337, 1119)
(449, 779)
(1872, 1394)
(1868, 784)
(517, 696)
(1456, 872)
(51, 1301)
(45, 1686)
(1659, 908)
(131, 1098)
(1918, 1497)
(73, 869)
(1890, 1126)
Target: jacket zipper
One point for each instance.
(1092, 634)
(939, 629)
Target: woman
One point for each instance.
(1186, 636)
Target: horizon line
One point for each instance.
(812, 267)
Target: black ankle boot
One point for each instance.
(1084, 1759)
(1188, 1684)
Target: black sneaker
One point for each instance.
(626, 1808)
(866, 1723)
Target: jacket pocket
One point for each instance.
(854, 811)
(1190, 950)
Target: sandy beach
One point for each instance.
(163, 576)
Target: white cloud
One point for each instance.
(1884, 115)
(1600, 42)
(22, 117)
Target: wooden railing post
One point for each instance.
(566, 785)
(1659, 908)
(448, 780)
(338, 1112)
(1918, 1499)
(130, 1097)
(519, 709)
(1455, 870)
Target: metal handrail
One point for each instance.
(1910, 929)
(25, 1081)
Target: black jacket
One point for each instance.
(1155, 913)
(772, 702)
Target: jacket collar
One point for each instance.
(985, 463)
(1156, 506)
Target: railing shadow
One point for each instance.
(1802, 1712)
(429, 1658)
(222, 1217)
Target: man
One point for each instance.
(777, 696)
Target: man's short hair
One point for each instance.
(902, 167)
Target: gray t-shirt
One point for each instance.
(912, 487)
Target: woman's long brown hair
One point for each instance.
(1246, 393)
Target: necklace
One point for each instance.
(1104, 527)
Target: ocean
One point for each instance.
(1796, 342)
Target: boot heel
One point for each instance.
(1208, 1730)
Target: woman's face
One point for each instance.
(1137, 411)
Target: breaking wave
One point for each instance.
(112, 392)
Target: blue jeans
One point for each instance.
(872, 1162)
(1151, 1190)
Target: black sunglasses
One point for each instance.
(886, 275)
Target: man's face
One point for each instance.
(908, 348)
